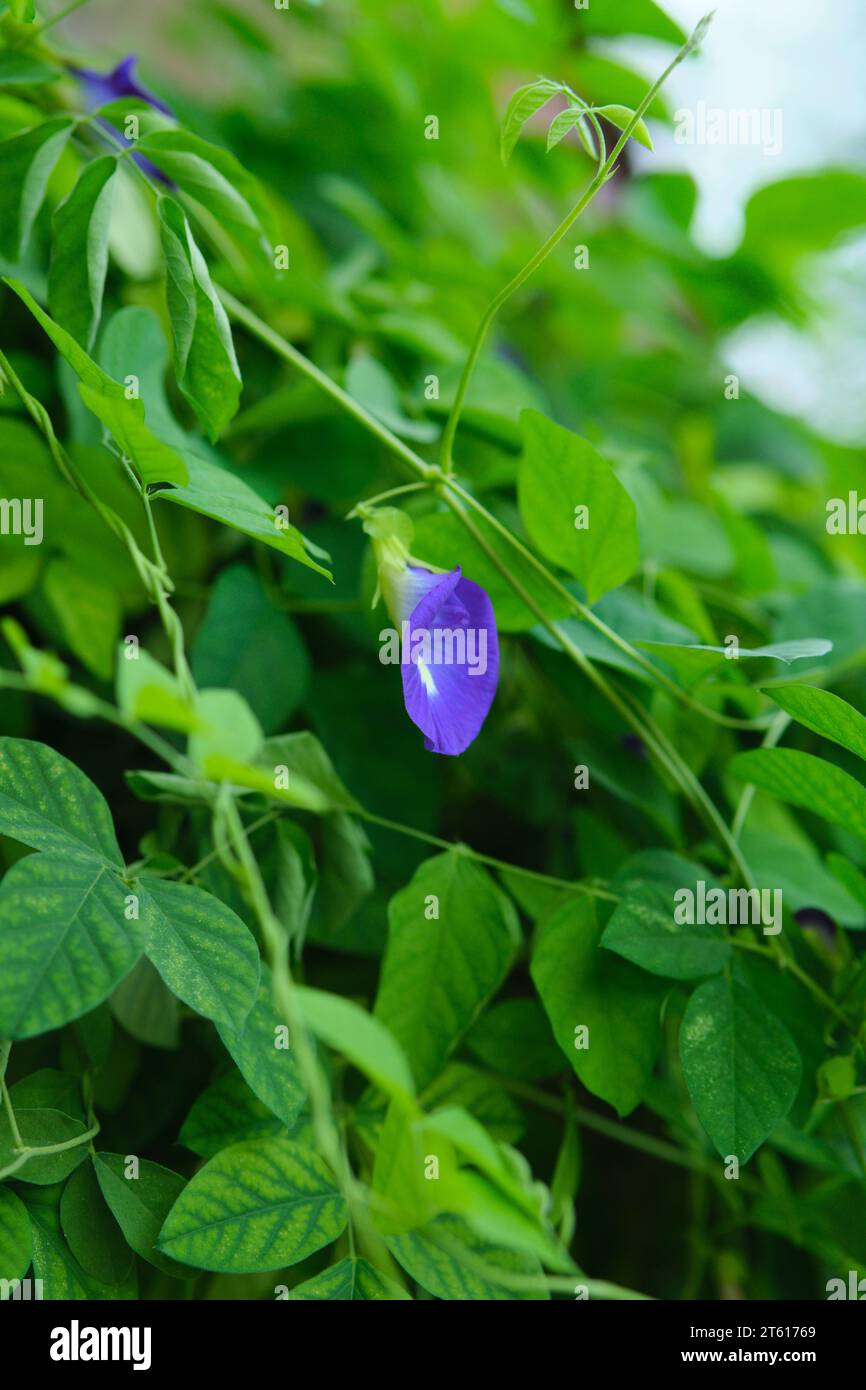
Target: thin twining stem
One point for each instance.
(640, 723)
(600, 178)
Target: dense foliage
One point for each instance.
(293, 1005)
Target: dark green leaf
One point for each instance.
(740, 1063)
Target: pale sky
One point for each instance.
(804, 59)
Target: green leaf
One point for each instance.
(644, 930)
(620, 117)
(202, 950)
(823, 713)
(255, 1206)
(740, 1064)
(47, 803)
(373, 386)
(265, 1061)
(124, 418)
(616, 1004)
(214, 177)
(27, 162)
(15, 1239)
(560, 473)
(54, 1263)
(204, 356)
(146, 1007)
(565, 122)
(807, 781)
(247, 644)
(364, 1041)
(140, 1204)
(228, 1112)
(514, 1038)
(296, 880)
(65, 941)
(801, 650)
(89, 613)
(90, 1229)
(309, 765)
(350, 1280)
(79, 251)
(523, 104)
(504, 1205)
(20, 69)
(48, 1089)
(219, 493)
(38, 1129)
(794, 867)
(149, 692)
(452, 936)
(448, 1260)
(345, 875)
(226, 728)
(442, 540)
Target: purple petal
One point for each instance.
(452, 666)
(103, 87)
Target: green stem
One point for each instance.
(288, 353)
(785, 962)
(43, 1150)
(600, 178)
(589, 616)
(567, 884)
(662, 750)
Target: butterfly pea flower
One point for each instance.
(445, 639)
(100, 88)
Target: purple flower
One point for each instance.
(447, 644)
(449, 658)
(103, 87)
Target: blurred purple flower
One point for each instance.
(102, 87)
(450, 661)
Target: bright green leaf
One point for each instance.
(575, 510)
(79, 251)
